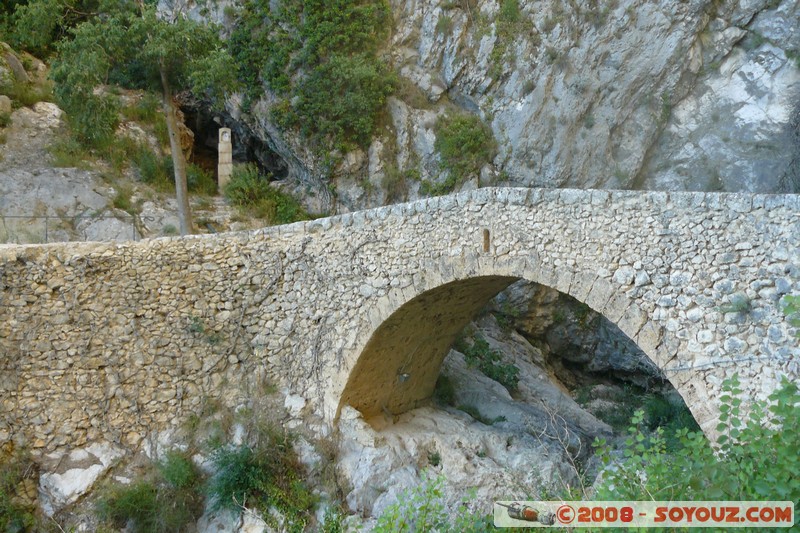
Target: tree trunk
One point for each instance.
(178, 161)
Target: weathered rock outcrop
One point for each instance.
(648, 95)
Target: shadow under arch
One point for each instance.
(397, 357)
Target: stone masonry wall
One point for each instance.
(119, 340)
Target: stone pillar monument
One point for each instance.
(225, 153)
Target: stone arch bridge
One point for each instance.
(106, 340)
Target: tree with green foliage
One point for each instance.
(37, 24)
(131, 44)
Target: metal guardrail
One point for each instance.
(45, 230)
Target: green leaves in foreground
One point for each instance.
(423, 508)
(755, 457)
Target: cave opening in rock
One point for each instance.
(247, 147)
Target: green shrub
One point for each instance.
(5, 120)
(480, 355)
(509, 27)
(146, 110)
(200, 180)
(117, 151)
(465, 144)
(423, 509)
(264, 476)
(321, 59)
(332, 521)
(340, 100)
(137, 503)
(251, 191)
(69, 153)
(26, 94)
(178, 470)
(507, 316)
(15, 515)
(168, 500)
(155, 170)
(510, 12)
(395, 182)
(444, 26)
(672, 417)
(122, 199)
(749, 461)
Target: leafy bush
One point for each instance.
(146, 110)
(122, 199)
(168, 501)
(510, 12)
(320, 57)
(157, 170)
(69, 153)
(5, 120)
(26, 94)
(423, 509)
(154, 169)
(251, 191)
(465, 144)
(749, 460)
(178, 470)
(395, 182)
(199, 180)
(444, 26)
(263, 476)
(508, 27)
(15, 514)
(37, 24)
(480, 355)
(137, 503)
(341, 98)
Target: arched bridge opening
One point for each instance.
(398, 368)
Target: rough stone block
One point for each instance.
(649, 337)
(632, 321)
(599, 295)
(563, 280)
(582, 283)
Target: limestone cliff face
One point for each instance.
(673, 94)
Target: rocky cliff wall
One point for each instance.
(667, 95)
